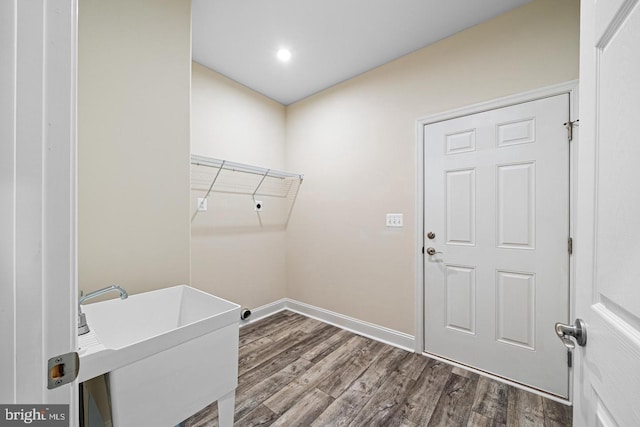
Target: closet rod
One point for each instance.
(240, 167)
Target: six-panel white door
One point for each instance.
(607, 377)
(497, 200)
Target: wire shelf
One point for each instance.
(209, 175)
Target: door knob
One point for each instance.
(432, 251)
(578, 331)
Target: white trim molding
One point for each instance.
(360, 327)
(506, 101)
(265, 311)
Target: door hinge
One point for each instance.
(570, 245)
(569, 358)
(569, 125)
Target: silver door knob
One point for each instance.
(432, 251)
(578, 331)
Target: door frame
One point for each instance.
(38, 196)
(570, 88)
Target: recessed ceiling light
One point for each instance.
(284, 55)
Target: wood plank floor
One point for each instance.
(297, 371)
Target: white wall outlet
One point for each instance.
(202, 204)
(394, 220)
(257, 206)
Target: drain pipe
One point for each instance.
(245, 313)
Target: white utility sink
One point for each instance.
(168, 353)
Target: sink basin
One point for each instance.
(168, 353)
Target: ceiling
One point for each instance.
(330, 40)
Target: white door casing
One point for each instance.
(497, 198)
(7, 201)
(38, 197)
(607, 375)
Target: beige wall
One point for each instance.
(356, 145)
(232, 254)
(134, 71)
(232, 122)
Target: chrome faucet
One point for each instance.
(83, 328)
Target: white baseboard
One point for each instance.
(360, 327)
(265, 311)
(369, 330)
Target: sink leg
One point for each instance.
(226, 407)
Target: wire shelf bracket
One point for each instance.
(210, 175)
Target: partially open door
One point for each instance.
(38, 214)
(607, 375)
